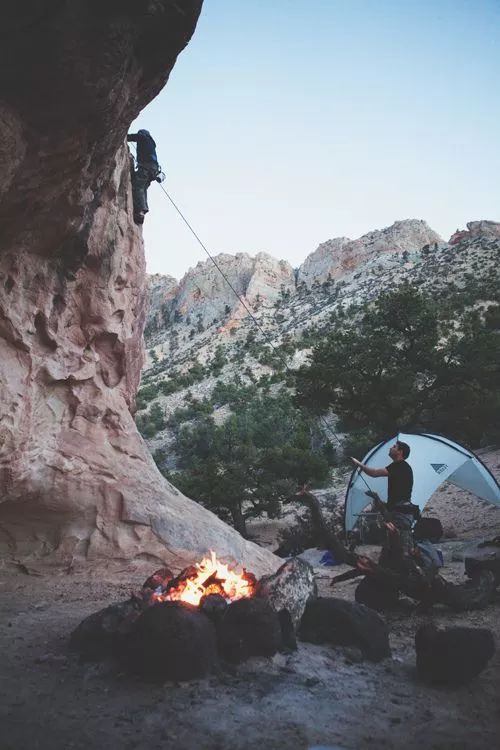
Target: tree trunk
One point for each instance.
(239, 520)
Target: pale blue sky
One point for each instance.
(288, 122)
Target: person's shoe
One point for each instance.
(139, 217)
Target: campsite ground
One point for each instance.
(318, 695)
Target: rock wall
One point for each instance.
(77, 483)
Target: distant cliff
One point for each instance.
(203, 295)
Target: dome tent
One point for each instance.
(434, 459)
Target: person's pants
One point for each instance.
(141, 180)
(404, 524)
(397, 548)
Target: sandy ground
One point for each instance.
(318, 695)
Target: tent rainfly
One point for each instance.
(434, 459)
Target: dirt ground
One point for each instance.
(317, 696)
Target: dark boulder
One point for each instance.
(102, 634)
(214, 606)
(171, 641)
(250, 627)
(483, 556)
(344, 623)
(476, 593)
(288, 638)
(376, 594)
(452, 656)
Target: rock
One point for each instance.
(343, 623)
(476, 593)
(171, 641)
(250, 627)
(214, 606)
(376, 594)
(101, 635)
(288, 638)
(483, 556)
(78, 483)
(338, 257)
(484, 228)
(203, 293)
(452, 656)
(289, 588)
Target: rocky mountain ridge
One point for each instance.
(203, 293)
(289, 314)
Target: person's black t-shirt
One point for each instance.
(400, 483)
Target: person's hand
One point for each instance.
(355, 461)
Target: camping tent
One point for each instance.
(433, 459)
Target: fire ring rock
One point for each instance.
(249, 627)
(289, 588)
(172, 641)
(452, 656)
(101, 635)
(344, 623)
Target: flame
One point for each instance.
(226, 582)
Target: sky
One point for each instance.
(286, 123)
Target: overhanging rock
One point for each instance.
(77, 483)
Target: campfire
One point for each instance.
(180, 627)
(210, 576)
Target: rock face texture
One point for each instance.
(204, 294)
(339, 256)
(76, 480)
(482, 228)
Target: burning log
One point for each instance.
(210, 576)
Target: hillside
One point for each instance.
(210, 357)
(198, 333)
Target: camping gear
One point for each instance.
(328, 559)
(434, 460)
(429, 529)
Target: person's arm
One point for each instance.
(132, 137)
(368, 469)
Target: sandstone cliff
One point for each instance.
(77, 482)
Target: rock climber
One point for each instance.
(146, 171)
